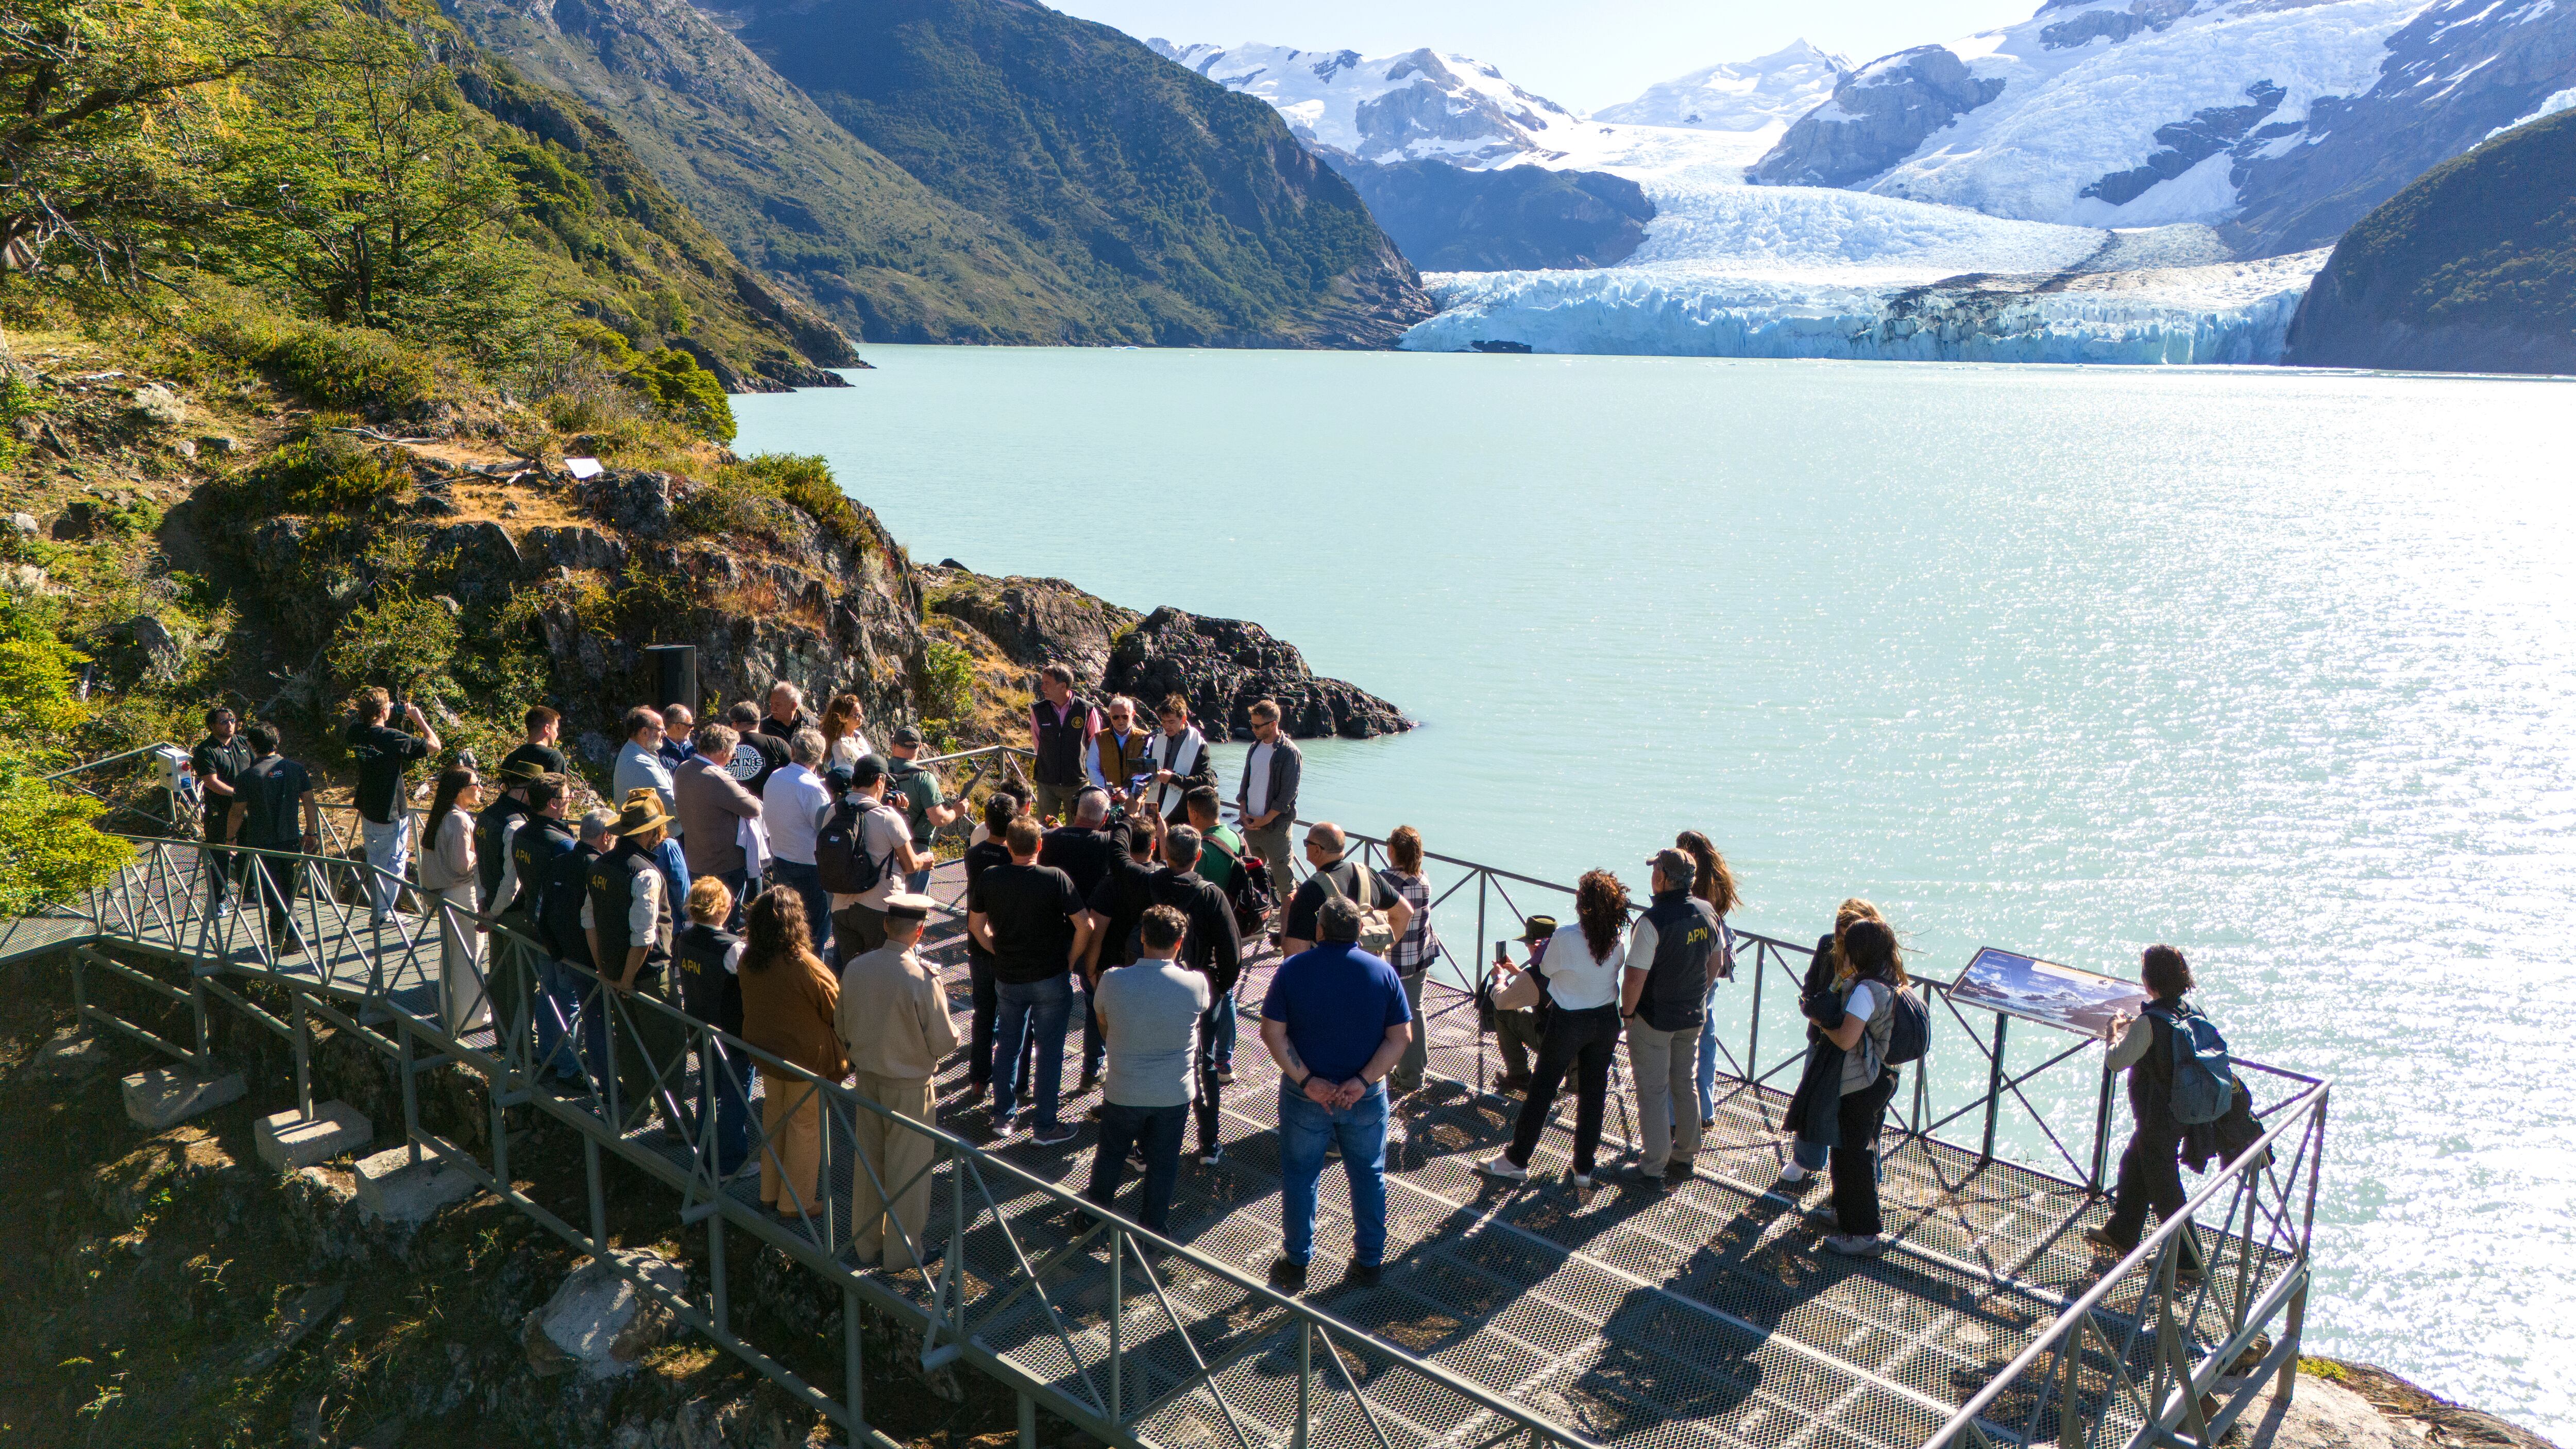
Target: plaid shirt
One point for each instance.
(1419, 946)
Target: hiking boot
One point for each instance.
(2105, 1245)
(1288, 1277)
(1512, 1083)
(1677, 1174)
(1640, 1175)
(1362, 1275)
(1855, 1245)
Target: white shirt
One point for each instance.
(509, 888)
(847, 750)
(1574, 980)
(1256, 779)
(794, 805)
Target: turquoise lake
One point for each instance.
(2277, 667)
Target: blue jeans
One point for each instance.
(1223, 1008)
(558, 1000)
(801, 877)
(1043, 1007)
(1159, 1129)
(1304, 1131)
(724, 1088)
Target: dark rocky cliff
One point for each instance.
(1522, 217)
(2470, 269)
(1878, 115)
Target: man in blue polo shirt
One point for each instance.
(1336, 1021)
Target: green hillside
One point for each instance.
(2472, 268)
(1185, 212)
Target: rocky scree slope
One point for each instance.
(1220, 665)
(2472, 268)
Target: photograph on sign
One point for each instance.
(2065, 997)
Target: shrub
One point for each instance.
(685, 392)
(947, 681)
(352, 366)
(326, 472)
(49, 850)
(804, 480)
(398, 640)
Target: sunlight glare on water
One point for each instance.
(2278, 667)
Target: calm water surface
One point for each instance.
(2279, 668)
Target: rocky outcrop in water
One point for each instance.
(1877, 118)
(1223, 665)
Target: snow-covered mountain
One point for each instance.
(1422, 105)
(2148, 112)
(1744, 95)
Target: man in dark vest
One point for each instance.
(494, 829)
(710, 961)
(1061, 725)
(219, 759)
(1663, 997)
(537, 841)
(626, 919)
(564, 895)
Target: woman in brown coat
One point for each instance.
(788, 1002)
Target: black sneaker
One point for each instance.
(1210, 1156)
(1363, 1275)
(1288, 1277)
(1225, 1076)
(975, 1093)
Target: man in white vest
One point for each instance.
(1180, 759)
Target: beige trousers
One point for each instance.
(898, 1155)
(791, 1154)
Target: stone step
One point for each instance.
(69, 1054)
(289, 1140)
(167, 1096)
(395, 1189)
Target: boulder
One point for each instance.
(573, 548)
(1035, 621)
(24, 523)
(159, 406)
(219, 445)
(68, 1053)
(163, 655)
(598, 1322)
(1223, 665)
(394, 1189)
(633, 500)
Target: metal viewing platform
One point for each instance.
(1621, 1316)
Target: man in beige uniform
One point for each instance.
(893, 1021)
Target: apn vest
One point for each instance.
(1686, 936)
(567, 881)
(489, 827)
(533, 852)
(708, 991)
(1060, 740)
(612, 894)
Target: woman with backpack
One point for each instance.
(1413, 952)
(1714, 883)
(1813, 1110)
(1584, 959)
(1857, 1023)
(2150, 1171)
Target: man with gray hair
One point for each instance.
(787, 713)
(713, 805)
(793, 808)
(678, 745)
(1336, 1022)
(1337, 877)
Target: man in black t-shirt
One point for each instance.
(1026, 916)
(270, 799)
(757, 754)
(384, 806)
(538, 756)
(1088, 848)
(1113, 909)
(1336, 876)
(218, 759)
(787, 712)
(999, 810)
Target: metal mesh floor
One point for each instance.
(1708, 1316)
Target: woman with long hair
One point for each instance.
(451, 878)
(843, 743)
(1868, 972)
(1714, 883)
(1413, 952)
(788, 1005)
(1811, 1117)
(2143, 1046)
(1582, 964)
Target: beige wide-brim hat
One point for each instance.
(642, 811)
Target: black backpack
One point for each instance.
(840, 865)
(1909, 1029)
(1252, 898)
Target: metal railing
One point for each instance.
(2139, 1350)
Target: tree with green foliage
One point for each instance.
(685, 392)
(49, 849)
(398, 641)
(362, 184)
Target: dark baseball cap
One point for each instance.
(906, 735)
(869, 770)
(1675, 866)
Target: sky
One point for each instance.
(1585, 56)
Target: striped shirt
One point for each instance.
(1419, 946)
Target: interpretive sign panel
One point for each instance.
(2045, 992)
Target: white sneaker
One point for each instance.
(1579, 1180)
(1794, 1173)
(1504, 1168)
(1855, 1245)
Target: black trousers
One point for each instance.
(1585, 1042)
(277, 878)
(979, 1060)
(2150, 1177)
(1855, 1158)
(1211, 1091)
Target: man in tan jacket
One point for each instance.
(893, 1022)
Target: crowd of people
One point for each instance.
(767, 873)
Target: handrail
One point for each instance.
(106, 760)
(2151, 1246)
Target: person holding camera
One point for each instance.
(384, 813)
(1519, 1030)
(218, 760)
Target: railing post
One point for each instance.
(1117, 1311)
(854, 1393)
(1994, 1088)
(197, 1004)
(598, 1198)
(2070, 1418)
(1029, 1422)
(1305, 1379)
(716, 1295)
(2101, 1128)
(410, 1088)
(303, 1058)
